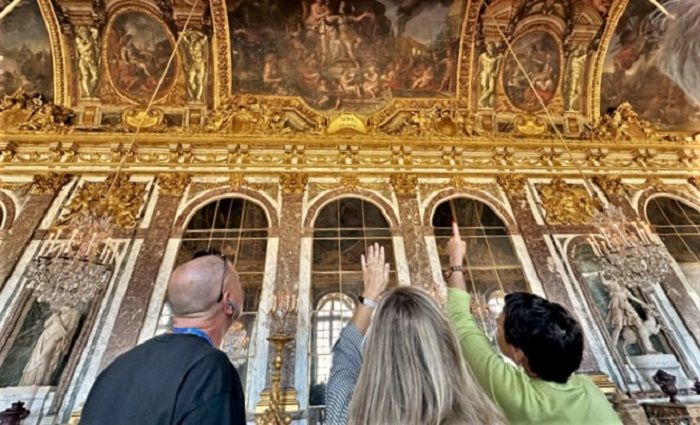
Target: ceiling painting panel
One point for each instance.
(346, 55)
(633, 69)
(25, 56)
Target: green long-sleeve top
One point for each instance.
(525, 400)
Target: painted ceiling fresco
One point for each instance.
(352, 55)
(25, 55)
(632, 72)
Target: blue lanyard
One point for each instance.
(194, 331)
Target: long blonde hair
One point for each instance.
(412, 370)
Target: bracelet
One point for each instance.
(367, 302)
(450, 270)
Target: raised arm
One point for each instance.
(505, 384)
(347, 352)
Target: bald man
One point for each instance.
(179, 377)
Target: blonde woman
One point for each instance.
(410, 371)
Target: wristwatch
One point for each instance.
(453, 269)
(367, 302)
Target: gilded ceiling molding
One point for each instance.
(117, 199)
(60, 59)
(595, 77)
(465, 65)
(48, 184)
(569, 204)
(221, 52)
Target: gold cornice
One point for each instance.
(595, 77)
(59, 58)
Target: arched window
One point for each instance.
(678, 226)
(492, 267)
(342, 232)
(238, 228)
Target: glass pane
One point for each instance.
(325, 255)
(350, 252)
(503, 252)
(251, 252)
(327, 217)
(678, 249)
(351, 213)
(373, 216)
(254, 217)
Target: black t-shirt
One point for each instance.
(172, 379)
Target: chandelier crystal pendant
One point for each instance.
(627, 251)
(74, 264)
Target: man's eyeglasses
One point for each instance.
(217, 253)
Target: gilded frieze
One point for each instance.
(48, 184)
(172, 184)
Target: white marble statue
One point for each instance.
(626, 321)
(52, 345)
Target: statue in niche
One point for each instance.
(577, 61)
(86, 44)
(489, 61)
(626, 321)
(195, 64)
(52, 345)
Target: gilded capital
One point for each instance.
(513, 184)
(48, 184)
(173, 184)
(293, 183)
(566, 203)
(695, 181)
(611, 185)
(404, 184)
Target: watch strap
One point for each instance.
(367, 302)
(453, 269)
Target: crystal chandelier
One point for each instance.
(74, 264)
(626, 250)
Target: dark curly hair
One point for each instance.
(549, 336)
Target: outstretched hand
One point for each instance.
(375, 272)
(456, 247)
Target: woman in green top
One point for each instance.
(539, 336)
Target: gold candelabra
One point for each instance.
(276, 402)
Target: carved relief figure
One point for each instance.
(489, 61)
(25, 56)
(577, 61)
(52, 345)
(86, 45)
(539, 54)
(345, 54)
(633, 67)
(626, 321)
(138, 49)
(195, 64)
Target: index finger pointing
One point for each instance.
(455, 229)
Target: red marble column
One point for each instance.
(15, 239)
(534, 237)
(134, 305)
(414, 243)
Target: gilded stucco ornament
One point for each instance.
(141, 119)
(622, 124)
(293, 183)
(695, 181)
(117, 201)
(512, 184)
(24, 112)
(611, 185)
(48, 184)
(566, 203)
(172, 184)
(87, 40)
(404, 184)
